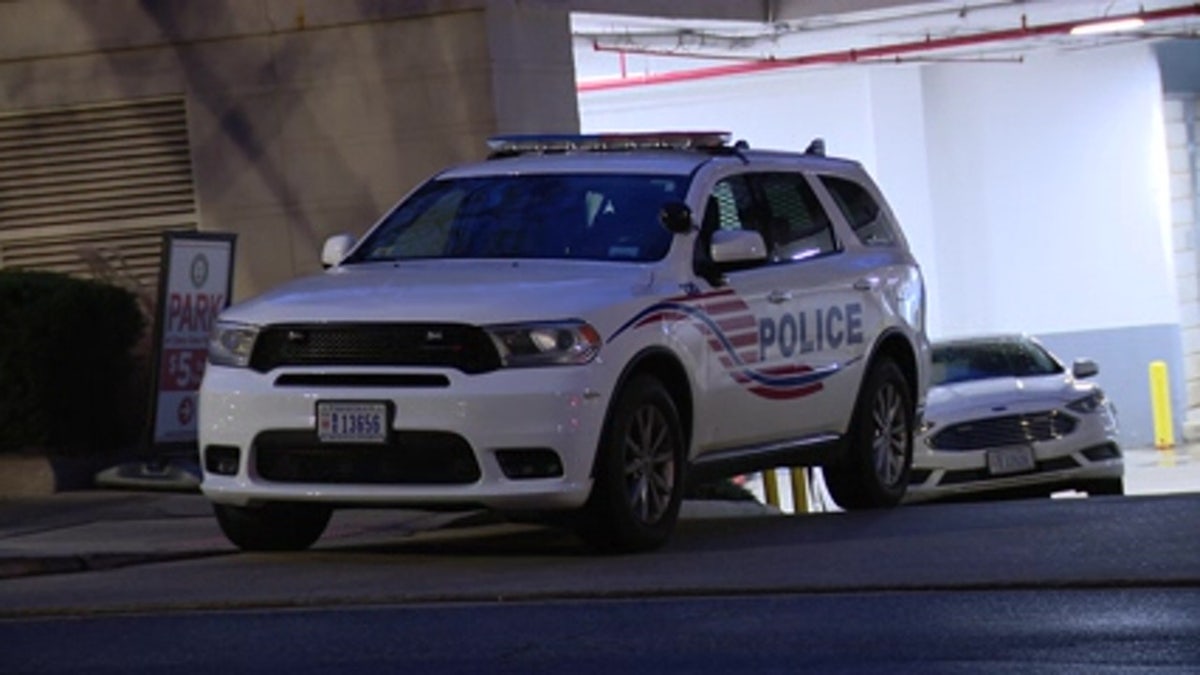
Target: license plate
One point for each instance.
(352, 422)
(1002, 461)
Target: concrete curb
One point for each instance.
(17, 567)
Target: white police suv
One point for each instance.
(575, 327)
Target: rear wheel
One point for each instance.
(874, 470)
(273, 527)
(638, 476)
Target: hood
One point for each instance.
(1001, 395)
(466, 291)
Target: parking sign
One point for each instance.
(195, 285)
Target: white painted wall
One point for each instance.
(1034, 195)
(873, 115)
(1048, 183)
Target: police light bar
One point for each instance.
(658, 140)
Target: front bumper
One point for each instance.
(1089, 454)
(556, 409)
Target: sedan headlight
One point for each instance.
(230, 344)
(559, 343)
(1089, 403)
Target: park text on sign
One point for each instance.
(195, 290)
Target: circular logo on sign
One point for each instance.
(199, 270)
(185, 412)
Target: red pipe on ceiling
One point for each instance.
(867, 53)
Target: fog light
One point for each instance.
(222, 460)
(529, 463)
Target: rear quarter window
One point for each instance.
(869, 221)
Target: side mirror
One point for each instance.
(1084, 368)
(735, 246)
(676, 217)
(336, 249)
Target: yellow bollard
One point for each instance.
(771, 488)
(1160, 402)
(799, 489)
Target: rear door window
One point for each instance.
(797, 227)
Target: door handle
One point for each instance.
(779, 297)
(866, 284)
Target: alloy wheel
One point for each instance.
(649, 464)
(890, 441)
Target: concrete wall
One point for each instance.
(1181, 115)
(1034, 194)
(305, 119)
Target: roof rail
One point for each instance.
(518, 144)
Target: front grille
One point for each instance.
(364, 380)
(408, 458)
(465, 348)
(1000, 431)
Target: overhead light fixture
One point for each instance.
(1110, 26)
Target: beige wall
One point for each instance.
(305, 119)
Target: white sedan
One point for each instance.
(1005, 418)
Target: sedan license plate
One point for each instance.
(1003, 461)
(352, 422)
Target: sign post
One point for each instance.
(195, 284)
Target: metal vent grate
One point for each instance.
(89, 190)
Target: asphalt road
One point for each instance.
(1104, 542)
(1074, 585)
(1091, 631)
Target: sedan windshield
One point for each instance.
(584, 216)
(985, 360)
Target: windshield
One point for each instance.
(584, 216)
(986, 360)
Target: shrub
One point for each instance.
(66, 363)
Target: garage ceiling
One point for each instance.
(613, 48)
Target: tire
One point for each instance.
(1107, 486)
(874, 469)
(273, 527)
(638, 479)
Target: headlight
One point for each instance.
(1089, 403)
(545, 344)
(230, 344)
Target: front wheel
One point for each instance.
(874, 470)
(273, 527)
(638, 476)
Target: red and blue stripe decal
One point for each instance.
(732, 333)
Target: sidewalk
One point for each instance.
(102, 529)
(99, 529)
